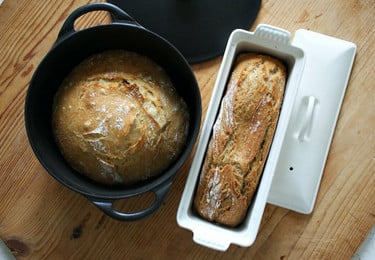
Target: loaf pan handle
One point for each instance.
(307, 119)
(273, 33)
(116, 12)
(106, 205)
(212, 239)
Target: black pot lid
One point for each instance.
(198, 28)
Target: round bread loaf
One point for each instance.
(118, 119)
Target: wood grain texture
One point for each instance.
(41, 219)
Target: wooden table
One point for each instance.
(42, 219)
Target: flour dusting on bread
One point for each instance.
(241, 139)
(118, 119)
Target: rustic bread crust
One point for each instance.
(118, 119)
(241, 139)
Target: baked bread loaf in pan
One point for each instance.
(118, 119)
(241, 139)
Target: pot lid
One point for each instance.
(198, 28)
(305, 147)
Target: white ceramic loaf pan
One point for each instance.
(265, 39)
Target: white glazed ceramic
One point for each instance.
(268, 40)
(313, 120)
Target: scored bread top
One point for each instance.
(241, 138)
(118, 118)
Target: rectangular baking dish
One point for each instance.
(265, 39)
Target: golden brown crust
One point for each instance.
(118, 119)
(241, 139)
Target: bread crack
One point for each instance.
(241, 139)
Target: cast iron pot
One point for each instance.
(70, 49)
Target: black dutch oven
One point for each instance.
(72, 47)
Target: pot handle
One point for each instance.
(116, 12)
(106, 205)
